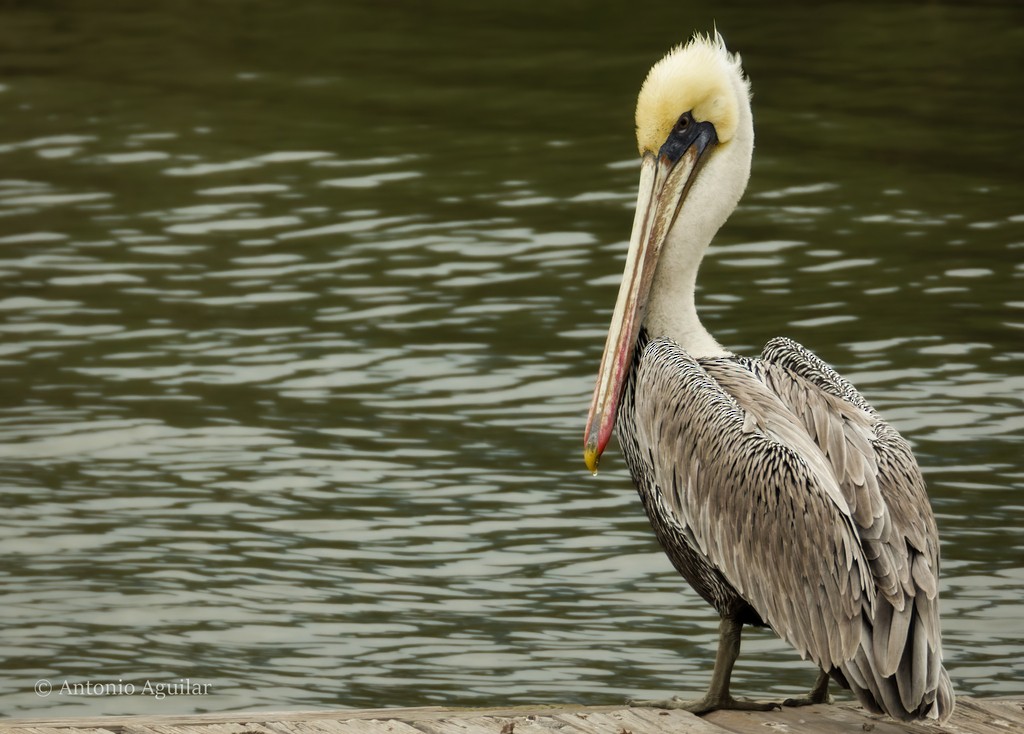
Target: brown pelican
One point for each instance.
(776, 490)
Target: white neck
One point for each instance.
(671, 310)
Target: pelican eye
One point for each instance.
(688, 132)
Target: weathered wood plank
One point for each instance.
(972, 716)
(342, 726)
(458, 726)
(656, 720)
(835, 719)
(638, 721)
(983, 715)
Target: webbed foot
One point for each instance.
(818, 694)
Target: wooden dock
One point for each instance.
(972, 716)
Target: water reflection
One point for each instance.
(294, 387)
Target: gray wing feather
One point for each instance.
(742, 479)
(899, 665)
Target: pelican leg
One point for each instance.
(817, 694)
(718, 696)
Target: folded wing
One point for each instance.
(741, 478)
(898, 668)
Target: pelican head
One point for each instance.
(696, 137)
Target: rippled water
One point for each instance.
(302, 308)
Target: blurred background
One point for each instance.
(302, 304)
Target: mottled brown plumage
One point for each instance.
(784, 499)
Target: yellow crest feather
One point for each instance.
(697, 77)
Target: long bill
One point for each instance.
(663, 187)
